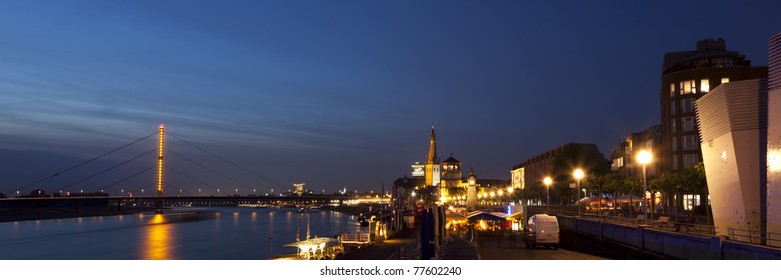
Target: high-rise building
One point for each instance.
(686, 76)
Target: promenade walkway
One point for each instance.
(507, 247)
(388, 249)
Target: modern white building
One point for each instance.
(733, 125)
(774, 136)
(740, 128)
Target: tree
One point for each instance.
(570, 158)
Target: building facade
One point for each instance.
(686, 76)
(773, 190)
(733, 125)
(532, 171)
(622, 159)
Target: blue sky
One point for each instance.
(341, 93)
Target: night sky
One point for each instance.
(335, 93)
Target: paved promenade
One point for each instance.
(505, 247)
(388, 249)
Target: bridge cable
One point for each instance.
(127, 178)
(191, 178)
(212, 170)
(144, 187)
(85, 162)
(104, 171)
(225, 160)
(175, 187)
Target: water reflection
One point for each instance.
(234, 234)
(156, 246)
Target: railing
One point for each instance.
(690, 228)
(355, 238)
(754, 237)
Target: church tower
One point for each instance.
(433, 169)
(471, 192)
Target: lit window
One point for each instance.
(672, 89)
(725, 80)
(688, 87)
(704, 85)
(688, 123)
(691, 200)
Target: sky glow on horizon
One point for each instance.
(341, 93)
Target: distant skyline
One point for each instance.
(340, 93)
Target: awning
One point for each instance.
(493, 216)
(626, 199)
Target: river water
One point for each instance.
(217, 234)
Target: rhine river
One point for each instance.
(220, 234)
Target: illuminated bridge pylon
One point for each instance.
(161, 144)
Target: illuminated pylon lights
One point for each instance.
(161, 143)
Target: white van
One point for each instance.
(542, 229)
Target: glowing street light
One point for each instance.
(547, 181)
(644, 157)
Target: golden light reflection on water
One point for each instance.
(156, 245)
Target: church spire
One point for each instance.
(432, 149)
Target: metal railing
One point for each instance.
(355, 238)
(771, 239)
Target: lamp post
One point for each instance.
(578, 174)
(547, 181)
(644, 157)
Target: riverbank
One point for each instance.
(354, 210)
(28, 214)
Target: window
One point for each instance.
(675, 144)
(689, 142)
(687, 105)
(672, 89)
(688, 123)
(675, 162)
(688, 87)
(722, 62)
(672, 108)
(704, 85)
(691, 200)
(673, 127)
(689, 160)
(725, 80)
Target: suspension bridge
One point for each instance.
(157, 191)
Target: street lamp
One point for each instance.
(547, 181)
(578, 174)
(644, 157)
